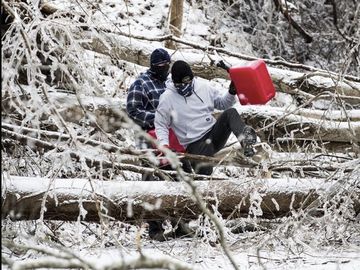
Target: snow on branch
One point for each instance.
(65, 258)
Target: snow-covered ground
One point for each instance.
(251, 250)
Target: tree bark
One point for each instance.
(66, 199)
(175, 23)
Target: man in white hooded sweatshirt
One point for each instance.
(187, 106)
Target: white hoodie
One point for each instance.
(189, 117)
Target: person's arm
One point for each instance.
(223, 101)
(162, 121)
(135, 106)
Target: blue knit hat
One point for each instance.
(159, 56)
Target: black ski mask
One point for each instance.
(182, 77)
(160, 64)
(160, 72)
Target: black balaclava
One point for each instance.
(160, 64)
(182, 77)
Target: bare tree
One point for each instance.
(175, 21)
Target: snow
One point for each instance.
(191, 250)
(196, 253)
(115, 189)
(323, 261)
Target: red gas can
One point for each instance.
(253, 82)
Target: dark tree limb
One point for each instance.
(297, 27)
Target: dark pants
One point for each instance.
(180, 229)
(186, 166)
(216, 138)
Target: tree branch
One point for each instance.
(285, 12)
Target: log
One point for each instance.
(138, 52)
(46, 135)
(129, 159)
(137, 49)
(66, 199)
(48, 9)
(109, 113)
(335, 130)
(292, 124)
(334, 126)
(313, 124)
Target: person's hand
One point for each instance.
(232, 89)
(161, 157)
(221, 64)
(166, 146)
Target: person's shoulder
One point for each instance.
(141, 80)
(143, 77)
(200, 80)
(167, 94)
(201, 84)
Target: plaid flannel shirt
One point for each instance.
(143, 99)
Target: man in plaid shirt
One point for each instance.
(144, 93)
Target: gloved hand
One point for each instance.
(232, 89)
(221, 64)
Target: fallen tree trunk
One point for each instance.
(279, 122)
(302, 123)
(202, 65)
(122, 46)
(70, 199)
(125, 162)
(332, 126)
(48, 9)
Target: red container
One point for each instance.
(253, 83)
(173, 141)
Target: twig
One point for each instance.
(293, 111)
(95, 162)
(202, 205)
(285, 12)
